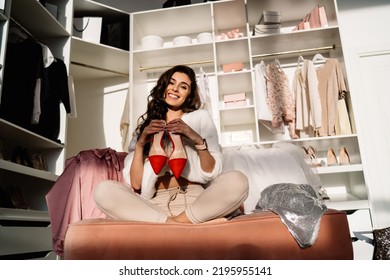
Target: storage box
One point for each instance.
(88, 28)
(272, 17)
(2, 5)
(232, 67)
(235, 100)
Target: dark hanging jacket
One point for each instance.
(54, 91)
(23, 66)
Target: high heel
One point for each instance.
(157, 155)
(311, 151)
(331, 158)
(178, 158)
(344, 156)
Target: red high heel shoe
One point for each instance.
(157, 155)
(178, 158)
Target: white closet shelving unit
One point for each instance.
(239, 126)
(101, 75)
(26, 233)
(93, 60)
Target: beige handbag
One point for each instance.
(343, 124)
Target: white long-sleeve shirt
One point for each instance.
(202, 123)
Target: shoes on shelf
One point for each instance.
(16, 197)
(178, 158)
(21, 156)
(38, 162)
(157, 155)
(344, 156)
(311, 157)
(331, 158)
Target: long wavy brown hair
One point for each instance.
(157, 108)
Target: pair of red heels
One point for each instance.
(157, 156)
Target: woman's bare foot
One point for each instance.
(216, 221)
(179, 219)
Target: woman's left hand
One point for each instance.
(180, 127)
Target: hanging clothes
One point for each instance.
(264, 114)
(48, 59)
(308, 110)
(204, 91)
(279, 94)
(32, 93)
(54, 91)
(23, 67)
(331, 87)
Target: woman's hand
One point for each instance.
(207, 161)
(180, 127)
(154, 127)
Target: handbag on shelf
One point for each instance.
(343, 124)
(116, 34)
(381, 244)
(315, 19)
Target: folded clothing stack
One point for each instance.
(270, 22)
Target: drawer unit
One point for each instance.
(24, 242)
(360, 226)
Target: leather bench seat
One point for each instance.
(252, 236)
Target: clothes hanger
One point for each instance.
(277, 62)
(317, 57)
(300, 60)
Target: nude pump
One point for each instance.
(157, 155)
(178, 158)
(331, 158)
(344, 156)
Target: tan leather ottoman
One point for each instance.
(253, 236)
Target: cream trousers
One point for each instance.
(222, 197)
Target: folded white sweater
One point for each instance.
(202, 123)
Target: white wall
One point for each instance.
(364, 22)
(366, 43)
(100, 106)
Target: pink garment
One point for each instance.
(70, 199)
(280, 99)
(331, 87)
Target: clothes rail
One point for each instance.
(169, 66)
(98, 68)
(295, 51)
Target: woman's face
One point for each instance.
(177, 91)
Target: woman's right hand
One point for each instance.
(154, 127)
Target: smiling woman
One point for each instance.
(173, 156)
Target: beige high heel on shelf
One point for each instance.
(344, 156)
(310, 156)
(331, 158)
